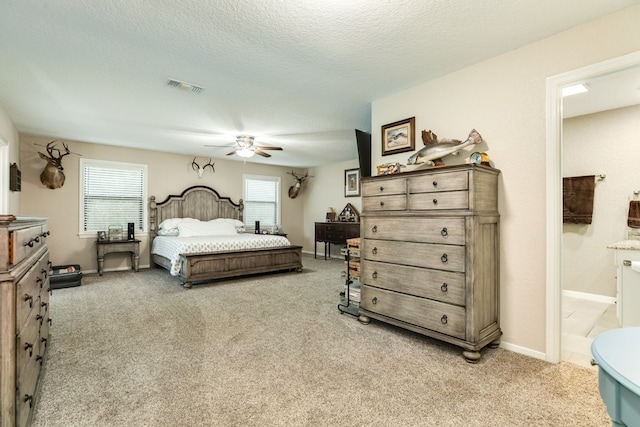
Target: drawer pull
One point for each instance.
(381, 204)
(444, 258)
(374, 229)
(39, 359)
(444, 232)
(435, 183)
(435, 201)
(381, 188)
(444, 287)
(45, 305)
(374, 300)
(39, 281)
(28, 347)
(44, 341)
(29, 298)
(45, 234)
(49, 321)
(374, 275)
(28, 398)
(44, 272)
(443, 319)
(374, 251)
(40, 319)
(29, 243)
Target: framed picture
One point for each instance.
(102, 236)
(398, 137)
(352, 183)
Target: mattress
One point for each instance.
(171, 247)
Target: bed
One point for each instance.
(203, 259)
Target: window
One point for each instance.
(112, 193)
(261, 200)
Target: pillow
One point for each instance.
(190, 229)
(173, 222)
(168, 231)
(236, 222)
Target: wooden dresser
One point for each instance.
(430, 254)
(24, 315)
(334, 232)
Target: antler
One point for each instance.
(51, 148)
(210, 164)
(194, 165)
(299, 178)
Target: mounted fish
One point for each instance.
(435, 150)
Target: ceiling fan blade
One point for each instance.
(233, 152)
(261, 153)
(262, 147)
(218, 146)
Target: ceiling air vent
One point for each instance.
(185, 86)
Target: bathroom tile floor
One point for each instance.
(582, 321)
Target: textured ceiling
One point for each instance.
(297, 74)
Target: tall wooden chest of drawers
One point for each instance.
(24, 314)
(430, 254)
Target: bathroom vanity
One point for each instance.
(627, 261)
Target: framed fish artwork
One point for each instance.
(398, 137)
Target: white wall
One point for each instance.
(602, 143)
(504, 98)
(8, 134)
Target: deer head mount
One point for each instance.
(53, 176)
(196, 167)
(295, 189)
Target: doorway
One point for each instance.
(555, 85)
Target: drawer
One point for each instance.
(384, 203)
(383, 187)
(27, 346)
(442, 257)
(27, 294)
(437, 316)
(429, 230)
(25, 393)
(25, 242)
(439, 201)
(445, 286)
(447, 181)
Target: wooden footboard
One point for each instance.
(209, 266)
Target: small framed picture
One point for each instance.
(102, 236)
(398, 137)
(352, 183)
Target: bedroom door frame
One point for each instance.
(554, 188)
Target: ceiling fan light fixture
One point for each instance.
(245, 152)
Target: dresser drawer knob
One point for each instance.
(381, 204)
(444, 258)
(28, 347)
(39, 281)
(29, 243)
(45, 305)
(39, 359)
(28, 398)
(374, 275)
(40, 319)
(49, 321)
(374, 251)
(435, 201)
(44, 272)
(443, 319)
(374, 300)
(381, 188)
(29, 298)
(444, 287)
(374, 229)
(435, 183)
(444, 232)
(44, 341)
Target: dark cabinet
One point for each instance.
(334, 232)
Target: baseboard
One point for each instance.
(590, 297)
(123, 268)
(523, 350)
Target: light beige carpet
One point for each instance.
(136, 349)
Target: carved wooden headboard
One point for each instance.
(198, 202)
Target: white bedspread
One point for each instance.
(171, 247)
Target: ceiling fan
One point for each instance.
(244, 147)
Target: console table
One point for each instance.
(334, 232)
(108, 247)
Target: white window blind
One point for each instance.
(261, 200)
(113, 194)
